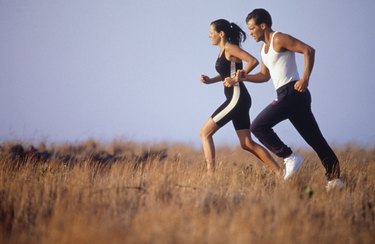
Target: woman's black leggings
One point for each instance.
(296, 107)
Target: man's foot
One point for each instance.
(292, 164)
(335, 184)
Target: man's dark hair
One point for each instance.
(260, 16)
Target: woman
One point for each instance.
(236, 108)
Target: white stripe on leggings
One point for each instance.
(235, 96)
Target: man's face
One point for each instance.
(255, 30)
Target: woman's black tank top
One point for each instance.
(223, 66)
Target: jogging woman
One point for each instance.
(228, 36)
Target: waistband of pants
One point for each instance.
(286, 86)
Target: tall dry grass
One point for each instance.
(135, 193)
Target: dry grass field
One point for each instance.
(127, 192)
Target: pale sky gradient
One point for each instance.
(129, 69)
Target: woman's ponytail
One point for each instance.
(232, 31)
(237, 35)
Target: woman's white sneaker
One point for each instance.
(292, 164)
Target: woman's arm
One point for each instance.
(207, 80)
(238, 54)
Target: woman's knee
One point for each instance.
(208, 129)
(203, 132)
(244, 146)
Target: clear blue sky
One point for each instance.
(129, 69)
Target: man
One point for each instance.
(293, 98)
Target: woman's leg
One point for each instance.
(249, 145)
(206, 133)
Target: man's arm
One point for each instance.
(262, 76)
(284, 42)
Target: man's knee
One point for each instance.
(255, 128)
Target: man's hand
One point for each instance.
(240, 75)
(301, 85)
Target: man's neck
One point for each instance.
(268, 36)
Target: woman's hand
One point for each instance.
(205, 79)
(228, 82)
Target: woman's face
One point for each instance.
(214, 36)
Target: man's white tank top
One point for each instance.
(282, 65)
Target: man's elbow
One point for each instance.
(265, 78)
(310, 51)
(254, 63)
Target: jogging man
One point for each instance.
(293, 97)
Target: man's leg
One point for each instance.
(262, 128)
(304, 121)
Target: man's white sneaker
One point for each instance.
(335, 184)
(292, 164)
